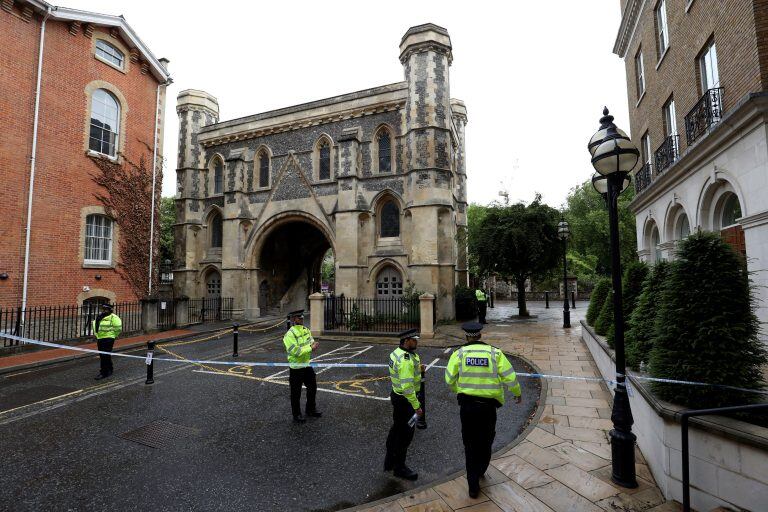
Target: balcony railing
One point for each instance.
(643, 178)
(707, 112)
(666, 154)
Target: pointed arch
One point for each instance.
(262, 163)
(382, 150)
(214, 221)
(388, 208)
(216, 171)
(323, 158)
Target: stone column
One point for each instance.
(316, 313)
(149, 315)
(182, 311)
(426, 308)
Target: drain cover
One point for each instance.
(158, 434)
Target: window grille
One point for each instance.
(105, 123)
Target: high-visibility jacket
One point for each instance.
(478, 369)
(298, 345)
(109, 327)
(405, 374)
(480, 295)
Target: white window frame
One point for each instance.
(109, 238)
(645, 141)
(116, 145)
(708, 63)
(640, 73)
(110, 54)
(670, 119)
(662, 28)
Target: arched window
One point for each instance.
(385, 151)
(109, 53)
(655, 245)
(263, 169)
(731, 211)
(218, 176)
(324, 160)
(105, 123)
(390, 220)
(217, 230)
(683, 227)
(98, 239)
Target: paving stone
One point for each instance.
(565, 410)
(593, 423)
(602, 450)
(643, 471)
(578, 456)
(575, 393)
(541, 438)
(456, 493)
(580, 434)
(539, 457)
(554, 419)
(555, 400)
(488, 506)
(546, 427)
(669, 506)
(623, 502)
(605, 473)
(521, 472)
(385, 507)
(418, 498)
(586, 402)
(582, 482)
(562, 499)
(492, 476)
(604, 413)
(510, 497)
(430, 506)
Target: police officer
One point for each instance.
(106, 327)
(299, 346)
(477, 373)
(405, 373)
(482, 305)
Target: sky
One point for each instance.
(533, 75)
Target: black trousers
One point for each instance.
(297, 377)
(482, 306)
(478, 429)
(105, 360)
(400, 434)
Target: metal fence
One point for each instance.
(62, 323)
(371, 315)
(212, 309)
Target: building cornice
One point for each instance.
(629, 21)
(749, 112)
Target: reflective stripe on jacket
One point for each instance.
(405, 374)
(478, 369)
(480, 295)
(298, 346)
(109, 327)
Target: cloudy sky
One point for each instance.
(534, 75)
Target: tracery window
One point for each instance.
(263, 169)
(390, 220)
(325, 160)
(217, 229)
(385, 151)
(218, 176)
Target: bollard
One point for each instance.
(546, 300)
(150, 362)
(573, 299)
(235, 327)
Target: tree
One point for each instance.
(642, 330)
(517, 241)
(706, 330)
(604, 322)
(475, 214)
(597, 299)
(588, 218)
(631, 287)
(167, 220)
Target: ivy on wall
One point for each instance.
(128, 201)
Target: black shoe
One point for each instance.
(102, 376)
(406, 473)
(314, 414)
(474, 493)
(421, 423)
(299, 419)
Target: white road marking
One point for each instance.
(447, 350)
(430, 365)
(321, 357)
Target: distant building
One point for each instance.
(377, 176)
(697, 73)
(101, 96)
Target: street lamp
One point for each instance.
(563, 232)
(614, 156)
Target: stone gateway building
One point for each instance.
(377, 176)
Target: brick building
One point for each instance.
(697, 75)
(74, 86)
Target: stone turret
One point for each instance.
(459, 116)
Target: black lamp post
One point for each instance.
(563, 232)
(614, 156)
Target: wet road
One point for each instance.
(235, 445)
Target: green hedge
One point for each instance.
(706, 330)
(604, 322)
(631, 286)
(601, 290)
(642, 330)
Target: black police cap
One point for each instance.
(107, 306)
(298, 312)
(472, 328)
(410, 333)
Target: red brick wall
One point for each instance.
(63, 185)
(733, 26)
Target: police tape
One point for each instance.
(149, 358)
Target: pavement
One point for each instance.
(208, 436)
(562, 464)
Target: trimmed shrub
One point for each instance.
(706, 330)
(596, 300)
(604, 322)
(631, 286)
(641, 333)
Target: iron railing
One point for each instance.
(166, 273)
(212, 309)
(62, 323)
(643, 178)
(166, 314)
(684, 440)
(707, 112)
(667, 153)
(371, 315)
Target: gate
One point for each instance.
(166, 314)
(390, 315)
